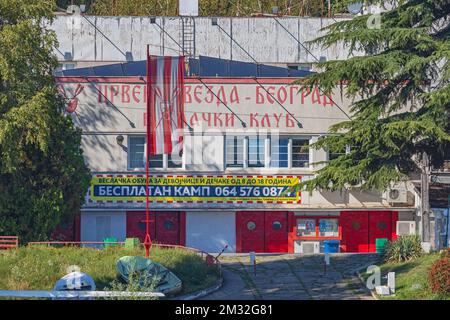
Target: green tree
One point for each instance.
(43, 178)
(401, 90)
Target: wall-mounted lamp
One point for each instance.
(214, 21)
(120, 139)
(152, 19)
(275, 10)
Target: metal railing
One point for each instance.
(9, 242)
(208, 258)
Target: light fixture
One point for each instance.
(152, 20)
(275, 10)
(214, 21)
(120, 139)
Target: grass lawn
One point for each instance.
(411, 279)
(38, 268)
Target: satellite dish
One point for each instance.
(355, 8)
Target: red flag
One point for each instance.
(165, 111)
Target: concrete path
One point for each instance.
(293, 277)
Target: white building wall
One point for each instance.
(263, 38)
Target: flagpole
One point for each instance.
(147, 241)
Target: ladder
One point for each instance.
(187, 36)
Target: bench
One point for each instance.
(8, 242)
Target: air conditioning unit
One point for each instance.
(307, 247)
(405, 228)
(397, 195)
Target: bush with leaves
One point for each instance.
(404, 248)
(43, 177)
(134, 286)
(439, 276)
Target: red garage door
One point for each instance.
(164, 226)
(250, 231)
(380, 226)
(136, 225)
(261, 231)
(168, 227)
(355, 231)
(276, 232)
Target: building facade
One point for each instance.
(231, 180)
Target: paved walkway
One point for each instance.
(293, 277)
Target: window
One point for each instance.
(300, 153)
(256, 152)
(175, 163)
(136, 152)
(300, 66)
(136, 156)
(306, 227)
(279, 153)
(328, 228)
(338, 153)
(156, 161)
(284, 152)
(234, 151)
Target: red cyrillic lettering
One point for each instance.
(253, 119)
(125, 95)
(234, 95)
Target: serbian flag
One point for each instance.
(165, 105)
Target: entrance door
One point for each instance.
(355, 231)
(380, 226)
(250, 231)
(168, 227)
(276, 232)
(136, 225)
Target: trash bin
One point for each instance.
(380, 244)
(132, 242)
(108, 242)
(331, 246)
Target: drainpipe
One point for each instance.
(424, 194)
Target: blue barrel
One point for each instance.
(331, 246)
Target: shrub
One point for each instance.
(445, 253)
(405, 248)
(439, 276)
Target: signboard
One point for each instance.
(92, 102)
(239, 189)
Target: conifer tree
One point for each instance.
(400, 86)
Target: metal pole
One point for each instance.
(147, 241)
(424, 190)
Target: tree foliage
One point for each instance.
(43, 178)
(206, 7)
(400, 86)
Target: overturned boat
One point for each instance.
(148, 274)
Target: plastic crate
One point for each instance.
(380, 244)
(109, 242)
(132, 242)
